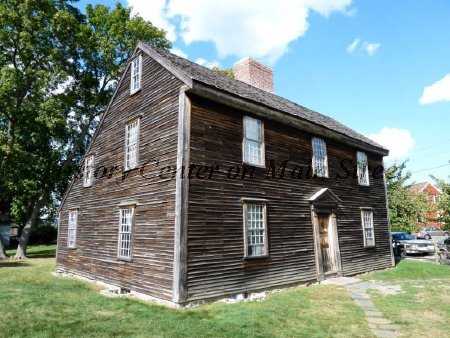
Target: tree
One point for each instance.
(226, 72)
(443, 207)
(407, 209)
(81, 58)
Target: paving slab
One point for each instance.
(384, 333)
(377, 320)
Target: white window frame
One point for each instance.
(125, 238)
(367, 223)
(362, 168)
(128, 163)
(88, 170)
(247, 140)
(72, 226)
(319, 161)
(136, 75)
(247, 205)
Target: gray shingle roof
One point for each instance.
(248, 92)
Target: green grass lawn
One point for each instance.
(33, 303)
(423, 308)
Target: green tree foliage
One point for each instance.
(58, 70)
(227, 72)
(407, 209)
(443, 207)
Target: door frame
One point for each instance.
(334, 241)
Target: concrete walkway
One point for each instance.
(378, 324)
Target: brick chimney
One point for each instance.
(254, 73)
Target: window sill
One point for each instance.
(262, 166)
(369, 246)
(132, 92)
(87, 185)
(256, 257)
(127, 260)
(363, 185)
(71, 248)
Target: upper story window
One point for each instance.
(255, 224)
(136, 74)
(131, 144)
(88, 170)
(72, 229)
(436, 198)
(368, 230)
(253, 142)
(362, 168)
(320, 159)
(125, 232)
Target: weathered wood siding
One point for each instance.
(151, 268)
(216, 266)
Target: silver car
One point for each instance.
(429, 232)
(404, 243)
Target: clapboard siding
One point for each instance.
(151, 269)
(216, 267)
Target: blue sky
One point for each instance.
(365, 63)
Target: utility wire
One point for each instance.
(418, 171)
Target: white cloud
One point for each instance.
(437, 92)
(262, 29)
(206, 63)
(179, 52)
(371, 48)
(156, 12)
(398, 141)
(368, 47)
(351, 47)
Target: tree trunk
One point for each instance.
(2, 251)
(11, 135)
(29, 226)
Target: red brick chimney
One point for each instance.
(254, 73)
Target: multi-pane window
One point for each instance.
(436, 198)
(362, 168)
(136, 71)
(255, 229)
(131, 144)
(253, 141)
(88, 170)
(319, 160)
(367, 223)
(125, 230)
(72, 226)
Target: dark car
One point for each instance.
(444, 244)
(404, 243)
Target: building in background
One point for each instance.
(434, 196)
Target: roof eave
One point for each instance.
(241, 103)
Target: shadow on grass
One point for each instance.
(51, 253)
(13, 263)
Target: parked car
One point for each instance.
(444, 244)
(429, 232)
(404, 243)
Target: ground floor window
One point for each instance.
(125, 233)
(255, 229)
(72, 235)
(367, 223)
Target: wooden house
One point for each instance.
(197, 186)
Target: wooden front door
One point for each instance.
(325, 241)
